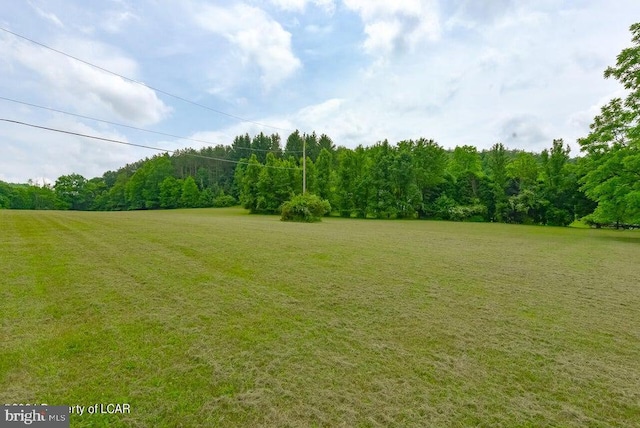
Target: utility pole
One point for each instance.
(304, 166)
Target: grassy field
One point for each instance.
(218, 318)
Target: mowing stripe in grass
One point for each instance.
(213, 317)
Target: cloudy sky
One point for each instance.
(458, 71)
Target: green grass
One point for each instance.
(579, 224)
(218, 318)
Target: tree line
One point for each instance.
(410, 179)
(421, 179)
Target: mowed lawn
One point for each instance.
(219, 318)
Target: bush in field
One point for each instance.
(224, 201)
(475, 212)
(446, 208)
(305, 208)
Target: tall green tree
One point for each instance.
(312, 147)
(97, 193)
(260, 146)
(497, 162)
(465, 167)
(116, 198)
(363, 186)
(248, 176)
(553, 165)
(326, 143)
(135, 199)
(143, 188)
(527, 204)
(72, 190)
(324, 167)
(354, 182)
(430, 163)
(346, 175)
(5, 195)
(190, 195)
(275, 147)
(556, 185)
(170, 192)
(611, 167)
(524, 170)
(202, 178)
(240, 148)
(406, 195)
(294, 144)
(381, 203)
(275, 184)
(311, 176)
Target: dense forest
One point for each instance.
(411, 179)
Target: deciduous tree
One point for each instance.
(72, 192)
(190, 195)
(611, 166)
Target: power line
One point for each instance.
(136, 128)
(241, 119)
(78, 134)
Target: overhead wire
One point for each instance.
(137, 128)
(178, 97)
(126, 143)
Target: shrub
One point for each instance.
(475, 212)
(224, 201)
(443, 206)
(305, 208)
(558, 217)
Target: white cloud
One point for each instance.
(473, 14)
(89, 90)
(290, 5)
(49, 16)
(522, 84)
(334, 117)
(346, 121)
(581, 120)
(318, 30)
(260, 39)
(528, 131)
(396, 26)
(329, 6)
(53, 154)
(114, 22)
(460, 71)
